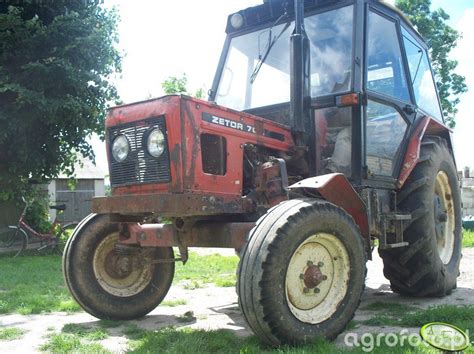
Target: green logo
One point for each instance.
(444, 336)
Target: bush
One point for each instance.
(37, 214)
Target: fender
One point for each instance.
(336, 189)
(426, 126)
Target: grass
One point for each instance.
(110, 323)
(174, 303)
(11, 333)
(216, 269)
(67, 343)
(132, 331)
(174, 341)
(92, 334)
(468, 238)
(34, 284)
(171, 340)
(390, 308)
(460, 316)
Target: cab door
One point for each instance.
(389, 109)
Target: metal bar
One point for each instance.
(201, 234)
(172, 205)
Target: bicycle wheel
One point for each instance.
(13, 241)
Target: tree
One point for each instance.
(56, 61)
(441, 39)
(178, 85)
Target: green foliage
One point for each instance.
(468, 238)
(56, 60)
(37, 214)
(178, 85)
(175, 85)
(441, 39)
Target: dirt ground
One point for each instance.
(217, 308)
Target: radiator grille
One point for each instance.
(139, 167)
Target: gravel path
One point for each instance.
(217, 308)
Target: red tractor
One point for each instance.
(322, 133)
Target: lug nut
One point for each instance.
(316, 291)
(325, 277)
(305, 290)
(301, 276)
(309, 263)
(320, 264)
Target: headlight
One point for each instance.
(120, 148)
(236, 21)
(156, 142)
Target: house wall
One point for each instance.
(467, 193)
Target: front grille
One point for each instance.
(139, 167)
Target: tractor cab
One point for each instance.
(365, 79)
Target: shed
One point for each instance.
(90, 183)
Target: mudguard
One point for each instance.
(426, 126)
(336, 189)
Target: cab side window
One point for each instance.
(385, 131)
(385, 71)
(421, 77)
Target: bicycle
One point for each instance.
(15, 239)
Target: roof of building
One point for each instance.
(85, 169)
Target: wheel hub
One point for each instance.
(313, 276)
(117, 266)
(317, 278)
(120, 274)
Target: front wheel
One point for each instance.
(302, 272)
(13, 241)
(111, 282)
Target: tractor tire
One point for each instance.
(429, 266)
(302, 272)
(111, 283)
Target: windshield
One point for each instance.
(330, 34)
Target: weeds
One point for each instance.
(11, 333)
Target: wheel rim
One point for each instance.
(317, 278)
(121, 275)
(444, 217)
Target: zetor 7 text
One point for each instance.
(323, 132)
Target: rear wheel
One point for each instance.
(302, 272)
(13, 241)
(111, 282)
(429, 266)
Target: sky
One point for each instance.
(161, 39)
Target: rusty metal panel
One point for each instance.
(428, 126)
(336, 189)
(202, 234)
(171, 205)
